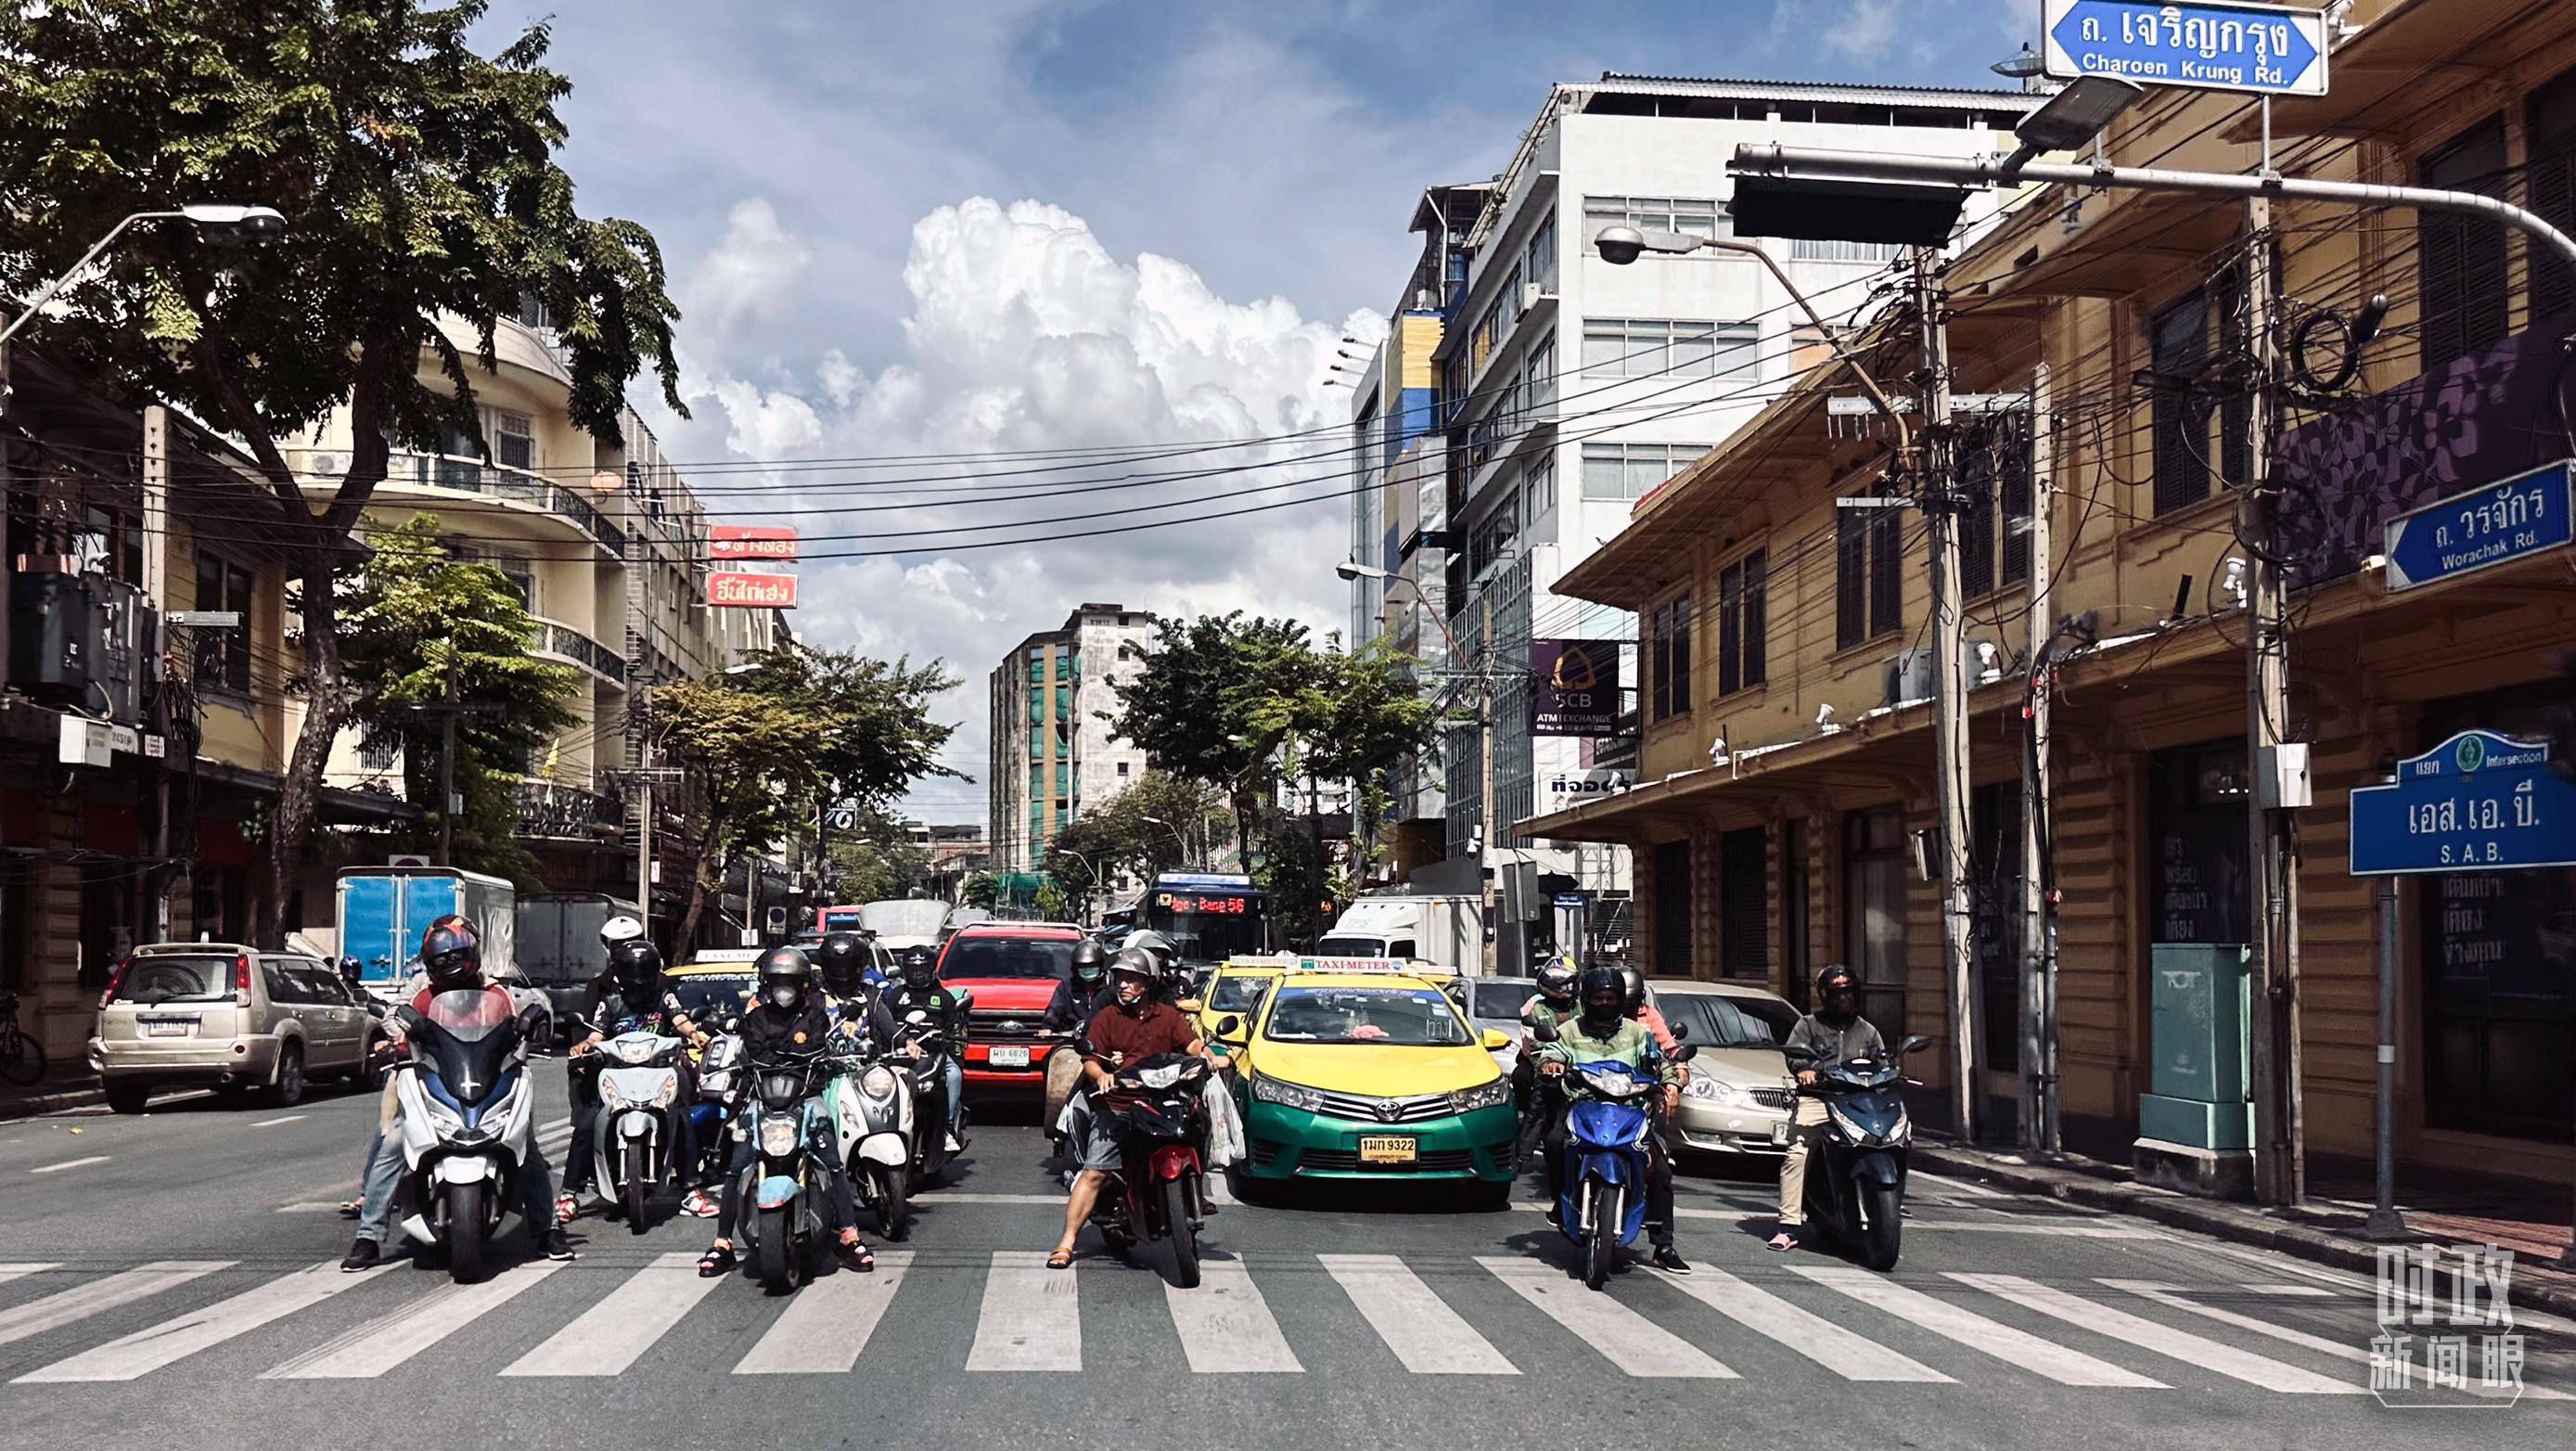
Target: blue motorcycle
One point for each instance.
(786, 1208)
(1601, 1195)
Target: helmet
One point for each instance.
(349, 968)
(1133, 963)
(1604, 997)
(451, 952)
(920, 966)
(637, 966)
(843, 957)
(1837, 991)
(1153, 942)
(786, 975)
(1556, 982)
(1633, 983)
(1090, 961)
(621, 928)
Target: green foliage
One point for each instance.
(872, 718)
(980, 891)
(746, 757)
(877, 861)
(1155, 825)
(1052, 904)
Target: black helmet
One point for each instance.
(1556, 982)
(1604, 1000)
(843, 957)
(1837, 991)
(1150, 941)
(920, 966)
(786, 975)
(1633, 983)
(637, 966)
(1090, 961)
(451, 952)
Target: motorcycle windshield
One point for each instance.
(1862, 1073)
(463, 1044)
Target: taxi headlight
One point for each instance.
(1293, 1095)
(1483, 1095)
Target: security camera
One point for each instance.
(1717, 751)
(1824, 715)
(1620, 246)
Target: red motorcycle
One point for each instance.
(1154, 1194)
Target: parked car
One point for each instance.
(1738, 1099)
(222, 1015)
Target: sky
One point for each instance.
(925, 250)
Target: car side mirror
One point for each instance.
(1228, 1024)
(531, 1018)
(1913, 1043)
(1495, 1040)
(1189, 1005)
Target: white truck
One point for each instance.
(1446, 932)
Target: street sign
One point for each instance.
(2478, 802)
(2482, 528)
(842, 818)
(751, 541)
(2271, 49)
(741, 589)
(206, 619)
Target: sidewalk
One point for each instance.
(2455, 1210)
(57, 1091)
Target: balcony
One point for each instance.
(473, 476)
(566, 643)
(549, 811)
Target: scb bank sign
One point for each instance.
(2266, 48)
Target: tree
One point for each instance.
(414, 608)
(980, 891)
(747, 757)
(877, 861)
(872, 717)
(1051, 903)
(1191, 708)
(421, 194)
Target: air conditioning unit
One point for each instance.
(325, 465)
(1907, 676)
(1531, 292)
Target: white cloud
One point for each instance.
(748, 278)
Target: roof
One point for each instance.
(2018, 100)
(1688, 985)
(992, 928)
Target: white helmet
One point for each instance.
(621, 928)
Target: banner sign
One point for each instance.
(1567, 789)
(751, 541)
(2478, 802)
(1574, 687)
(740, 589)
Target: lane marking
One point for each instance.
(2163, 1339)
(1412, 1320)
(2080, 1229)
(69, 1164)
(608, 1337)
(2173, 1297)
(149, 1350)
(2286, 1292)
(389, 1340)
(2003, 1342)
(10, 1272)
(829, 1322)
(1956, 1186)
(1849, 1355)
(1057, 1200)
(2523, 1319)
(284, 1118)
(1225, 1325)
(309, 1206)
(82, 1301)
(1630, 1341)
(1031, 1317)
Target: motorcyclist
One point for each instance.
(451, 960)
(1603, 1031)
(1084, 992)
(1633, 984)
(1136, 1027)
(628, 996)
(1541, 1104)
(351, 971)
(919, 991)
(1834, 1033)
(1171, 981)
(789, 1024)
(857, 1006)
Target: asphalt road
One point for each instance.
(177, 1272)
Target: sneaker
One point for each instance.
(362, 1255)
(955, 1146)
(1669, 1261)
(566, 1207)
(699, 1205)
(557, 1245)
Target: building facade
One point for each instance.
(1788, 771)
(1052, 748)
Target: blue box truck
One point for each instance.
(383, 911)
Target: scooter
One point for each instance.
(1601, 1195)
(1856, 1193)
(928, 1075)
(786, 1189)
(1154, 1194)
(873, 1132)
(468, 1120)
(1063, 1077)
(632, 1139)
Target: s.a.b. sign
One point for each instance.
(1574, 687)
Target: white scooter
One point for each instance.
(633, 1137)
(468, 1119)
(872, 1130)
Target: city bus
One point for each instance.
(1210, 916)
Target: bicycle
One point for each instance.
(22, 1059)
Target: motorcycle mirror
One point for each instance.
(1686, 1053)
(1543, 1032)
(916, 1016)
(1913, 1043)
(1680, 1031)
(732, 1025)
(1189, 1005)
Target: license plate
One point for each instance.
(167, 1028)
(1008, 1056)
(1387, 1149)
(1780, 1133)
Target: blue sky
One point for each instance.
(988, 224)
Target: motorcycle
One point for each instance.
(1063, 1078)
(1154, 1193)
(1601, 1194)
(786, 1189)
(873, 1131)
(928, 1075)
(468, 1120)
(1856, 1185)
(639, 1083)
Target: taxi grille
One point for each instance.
(1413, 1110)
(1346, 1161)
(1773, 1097)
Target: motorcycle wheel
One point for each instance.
(639, 1168)
(775, 1258)
(1879, 1241)
(1185, 1235)
(468, 1236)
(894, 1215)
(1601, 1253)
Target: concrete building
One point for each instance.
(1052, 749)
(1566, 389)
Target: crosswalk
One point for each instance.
(1493, 1316)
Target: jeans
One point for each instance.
(845, 1207)
(954, 1086)
(1805, 1127)
(581, 1083)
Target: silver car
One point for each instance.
(222, 1015)
(1738, 1099)
(1496, 1002)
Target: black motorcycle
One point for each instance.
(1856, 1174)
(1154, 1194)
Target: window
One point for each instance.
(2549, 177)
(2178, 347)
(1538, 371)
(1122, 768)
(1672, 908)
(1633, 470)
(1669, 654)
(1496, 323)
(1538, 261)
(2461, 259)
(1037, 741)
(380, 754)
(223, 655)
(1868, 590)
(514, 442)
(1648, 348)
(1743, 919)
(1822, 249)
(1492, 536)
(1693, 216)
(1994, 486)
(1874, 868)
(1539, 483)
(1743, 590)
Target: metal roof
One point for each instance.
(1819, 91)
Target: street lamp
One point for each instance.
(227, 220)
(1179, 839)
(2072, 117)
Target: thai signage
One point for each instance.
(1574, 687)
(751, 541)
(741, 589)
(2225, 47)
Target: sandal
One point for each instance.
(1061, 1259)
(858, 1256)
(717, 1260)
(352, 1208)
(1784, 1241)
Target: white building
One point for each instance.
(1052, 748)
(1567, 388)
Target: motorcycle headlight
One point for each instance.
(609, 1097)
(778, 1137)
(443, 1118)
(1714, 1090)
(878, 1082)
(1483, 1095)
(669, 1090)
(1293, 1095)
(1164, 1077)
(1614, 1085)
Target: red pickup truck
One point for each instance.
(1011, 968)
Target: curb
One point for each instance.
(2221, 1221)
(38, 1104)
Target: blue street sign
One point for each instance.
(2268, 48)
(2482, 528)
(2478, 802)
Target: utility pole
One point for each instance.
(2038, 923)
(447, 766)
(156, 593)
(1949, 690)
(1485, 791)
(644, 849)
(2280, 1171)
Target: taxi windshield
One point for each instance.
(1237, 993)
(1385, 1017)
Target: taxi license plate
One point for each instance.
(1008, 1056)
(167, 1027)
(1387, 1149)
(1780, 1134)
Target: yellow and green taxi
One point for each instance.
(1235, 990)
(1356, 1072)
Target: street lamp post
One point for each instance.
(250, 223)
(1189, 853)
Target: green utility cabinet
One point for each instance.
(2198, 1018)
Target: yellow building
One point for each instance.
(1792, 630)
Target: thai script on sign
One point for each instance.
(2263, 40)
(741, 589)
